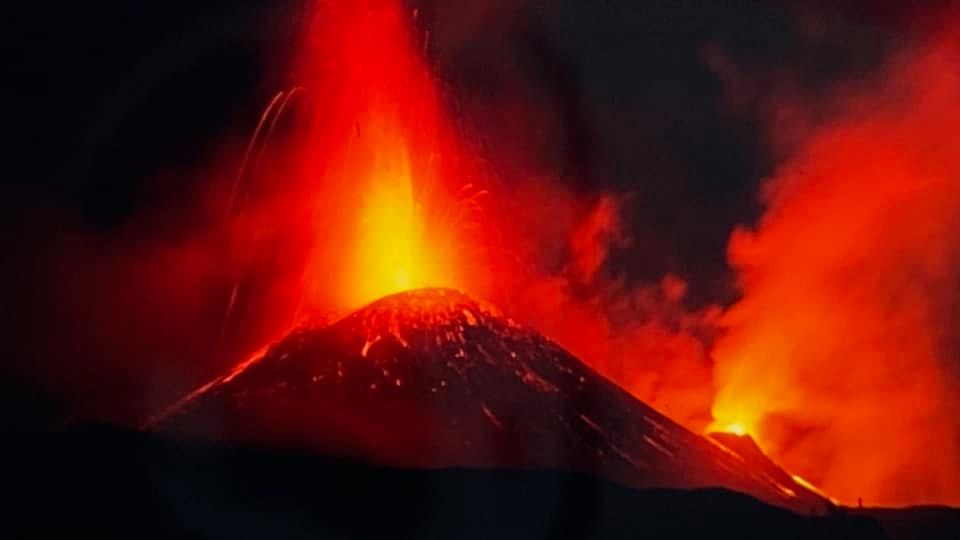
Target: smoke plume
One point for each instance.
(842, 353)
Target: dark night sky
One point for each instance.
(110, 100)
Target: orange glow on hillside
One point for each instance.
(740, 417)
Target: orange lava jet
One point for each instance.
(385, 173)
(392, 249)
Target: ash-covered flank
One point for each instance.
(432, 378)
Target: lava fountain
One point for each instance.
(383, 171)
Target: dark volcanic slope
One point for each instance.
(432, 378)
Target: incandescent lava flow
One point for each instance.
(432, 378)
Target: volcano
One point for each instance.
(434, 379)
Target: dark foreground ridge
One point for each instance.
(110, 483)
(432, 378)
(917, 522)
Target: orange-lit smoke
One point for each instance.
(639, 335)
(842, 354)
